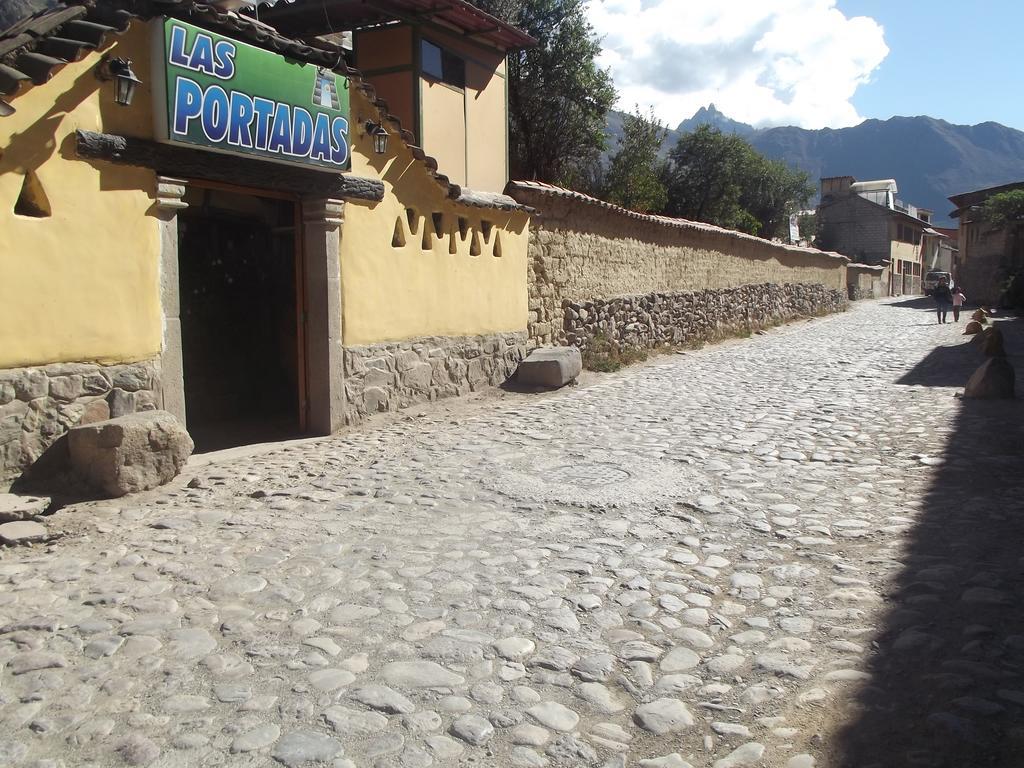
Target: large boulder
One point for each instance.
(994, 380)
(130, 453)
(550, 367)
(994, 343)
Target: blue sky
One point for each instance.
(816, 63)
(958, 61)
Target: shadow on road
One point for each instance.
(915, 302)
(946, 366)
(946, 681)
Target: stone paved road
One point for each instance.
(691, 562)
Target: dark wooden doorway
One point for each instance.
(240, 274)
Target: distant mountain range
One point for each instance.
(930, 159)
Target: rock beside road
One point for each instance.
(15, 507)
(130, 453)
(22, 532)
(994, 380)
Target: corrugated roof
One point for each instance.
(35, 48)
(301, 18)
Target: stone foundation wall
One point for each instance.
(39, 404)
(388, 377)
(679, 318)
(583, 249)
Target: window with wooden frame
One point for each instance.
(441, 64)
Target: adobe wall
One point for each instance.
(982, 273)
(79, 281)
(433, 291)
(88, 276)
(865, 282)
(585, 254)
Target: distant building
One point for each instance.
(985, 252)
(867, 222)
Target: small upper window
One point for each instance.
(442, 65)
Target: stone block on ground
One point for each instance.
(16, 507)
(550, 367)
(130, 453)
(22, 532)
(994, 380)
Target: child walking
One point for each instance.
(958, 302)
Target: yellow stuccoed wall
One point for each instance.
(395, 293)
(82, 284)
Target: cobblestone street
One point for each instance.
(791, 550)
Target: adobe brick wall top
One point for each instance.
(561, 208)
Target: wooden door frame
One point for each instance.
(319, 223)
(300, 279)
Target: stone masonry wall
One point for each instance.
(583, 250)
(39, 404)
(391, 376)
(679, 318)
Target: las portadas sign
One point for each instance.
(232, 97)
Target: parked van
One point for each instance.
(932, 279)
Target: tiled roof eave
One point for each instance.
(550, 190)
(94, 23)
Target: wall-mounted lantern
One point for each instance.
(380, 136)
(125, 82)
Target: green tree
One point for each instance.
(720, 179)
(633, 178)
(558, 97)
(703, 178)
(1005, 209)
(807, 223)
(771, 192)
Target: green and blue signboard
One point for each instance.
(229, 96)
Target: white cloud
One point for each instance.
(775, 62)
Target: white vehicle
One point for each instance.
(932, 279)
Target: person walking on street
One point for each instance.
(942, 297)
(958, 303)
